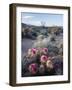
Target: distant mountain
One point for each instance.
(42, 28)
(28, 25)
(31, 31)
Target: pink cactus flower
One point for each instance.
(45, 50)
(34, 50)
(43, 58)
(33, 68)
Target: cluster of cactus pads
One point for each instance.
(37, 62)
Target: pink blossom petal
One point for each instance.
(44, 58)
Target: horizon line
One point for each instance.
(41, 25)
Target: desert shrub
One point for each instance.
(43, 24)
(34, 33)
(58, 65)
(40, 42)
(29, 33)
(52, 39)
(53, 50)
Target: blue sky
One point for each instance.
(37, 18)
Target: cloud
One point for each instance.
(26, 17)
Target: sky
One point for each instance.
(37, 18)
